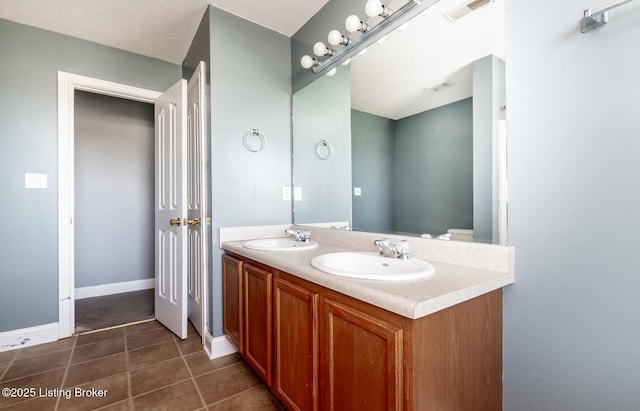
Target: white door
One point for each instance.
(170, 215)
(196, 197)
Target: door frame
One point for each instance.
(68, 83)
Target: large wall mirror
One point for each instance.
(409, 137)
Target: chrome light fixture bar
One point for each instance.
(354, 46)
(599, 16)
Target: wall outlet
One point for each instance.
(286, 193)
(357, 191)
(297, 193)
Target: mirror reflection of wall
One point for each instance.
(321, 111)
(419, 167)
(424, 112)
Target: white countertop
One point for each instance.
(451, 284)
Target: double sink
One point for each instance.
(362, 265)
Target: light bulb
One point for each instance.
(307, 61)
(319, 49)
(403, 27)
(336, 38)
(362, 53)
(346, 62)
(353, 24)
(373, 8)
(332, 72)
(381, 40)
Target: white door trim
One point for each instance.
(67, 84)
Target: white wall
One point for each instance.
(572, 319)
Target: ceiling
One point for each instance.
(392, 79)
(162, 29)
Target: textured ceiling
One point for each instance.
(162, 29)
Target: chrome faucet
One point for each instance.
(299, 235)
(400, 250)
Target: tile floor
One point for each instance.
(138, 367)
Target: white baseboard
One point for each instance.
(114, 288)
(26, 337)
(217, 347)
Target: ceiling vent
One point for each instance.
(441, 86)
(465, 9)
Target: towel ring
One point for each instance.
(328, 150)
(254, 132)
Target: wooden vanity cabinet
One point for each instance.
(318, 349)
(372, 359)
(258, 319)
(232, 290)
(296, 344)
(362, 359)
(248, 312)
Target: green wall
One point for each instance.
(114, 170)
(437, 146)
(373, 162)
(250, 88)
(322, 111)
(416, 173)
(30, 61)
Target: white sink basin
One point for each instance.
(372, 266)
(279, 244)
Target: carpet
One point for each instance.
(110, 310)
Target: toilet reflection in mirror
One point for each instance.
(417, 126)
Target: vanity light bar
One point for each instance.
(411, 9)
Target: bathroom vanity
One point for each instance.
(320, 341)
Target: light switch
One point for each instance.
(35, 180)
(357, 191)
(297, 193)
(286, 193)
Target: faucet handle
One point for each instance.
(403, 247)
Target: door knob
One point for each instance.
(193, 221)
(176, 221)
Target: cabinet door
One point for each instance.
(232, 300)
(258, 326)
(361, 360)
(296, 346)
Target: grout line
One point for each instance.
(239, 393)
(15, 355)
(161, 388)
(34, 374)
(215, 370)
(97, 358)
(193, 380)
(128, 367)
(66, 371)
